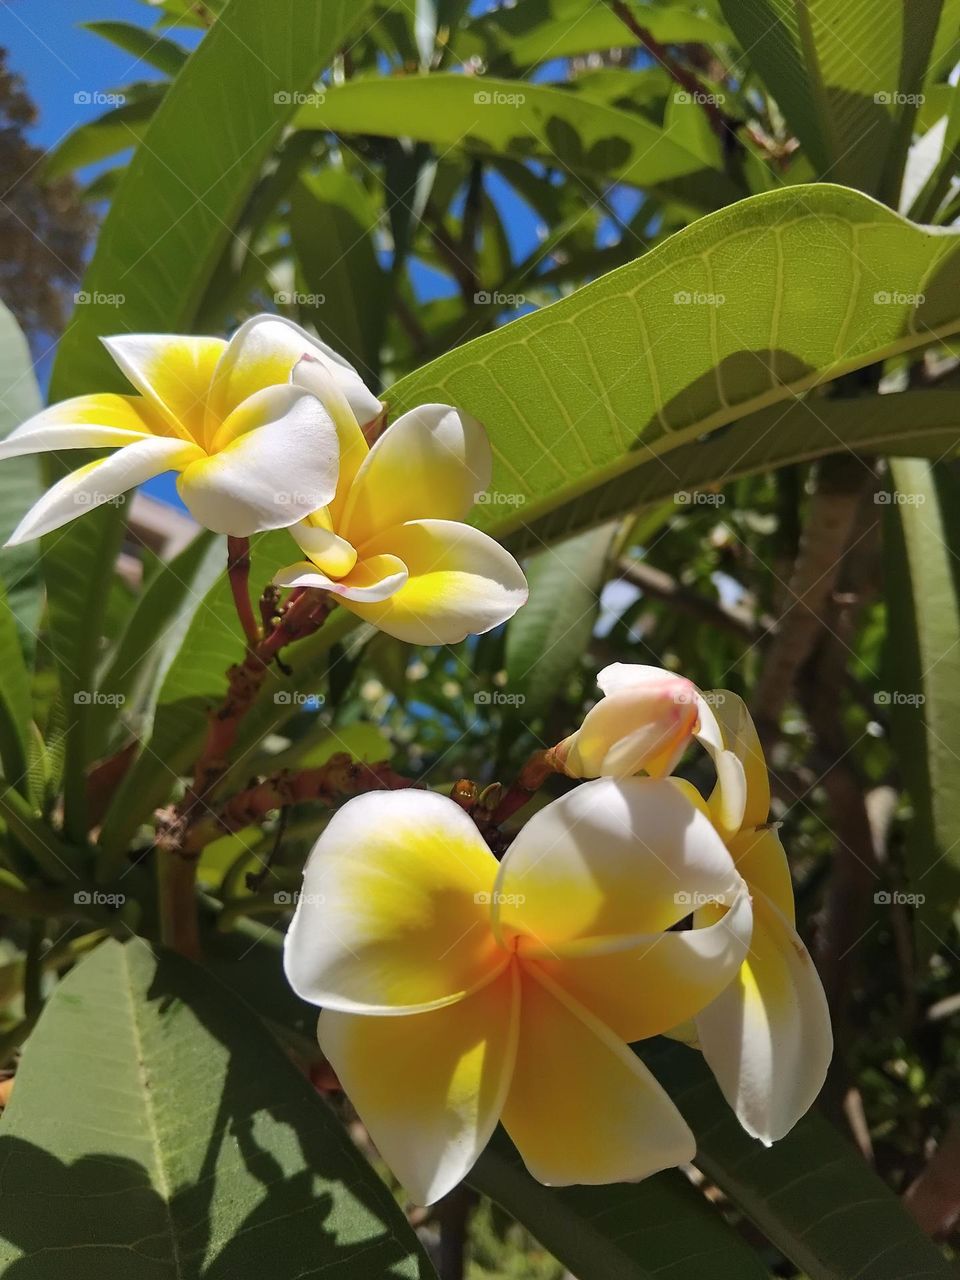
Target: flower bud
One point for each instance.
(643, 723)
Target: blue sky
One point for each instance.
(59, 61)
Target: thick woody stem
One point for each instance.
(238, 571)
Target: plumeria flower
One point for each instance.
(391, 545)
(767, 1036)
(645, 721)
(254, 448)
(456, 991)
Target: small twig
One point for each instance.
(341, 776)
(529, 781)
(238, 571)
(722, 127)
(655, 582)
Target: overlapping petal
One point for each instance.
(767, 1036)
(277, 465)
(430, 1087)
(612, 858)
(581, 1107)
(394, 914)
(374, 579)
(645, 985)
(264, 352)
(460, 583)
(738, 735)
(173, 374)
(431, 463)
(85, 422)
(101, 481)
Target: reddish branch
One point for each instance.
(340, 777)
(238, 571)
(305, 613)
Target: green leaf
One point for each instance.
(16, 712)
(154, 632)
(78, 564)
(186, 1145)
(847, 75)
(811, 1194)
(20, 484)
(541, 30)
(922, 541)
(547, 638)
(332, 220)
(146, 46)
(164, 233)
(109, 134)
(815, 281)
(659, 1227)
(511, 118)
(193, 684)
(913, 423)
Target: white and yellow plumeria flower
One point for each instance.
(767, 1037)
(456, 992)
(644, 722)
(254, 449)
(391, 545)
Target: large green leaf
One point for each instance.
(913, 423)
(847, 74)
(660, 1227)
(815, 281)
(547, 638)
(332, 220)
(154, 632)
(20, 483)
(78, 565)
(157, 1130)
(922, 541)
(180, 195)
(115, 131)
(811, 1193)
(513, 118)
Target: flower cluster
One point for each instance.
(457, 992)
(266, 431)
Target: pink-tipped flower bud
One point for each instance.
(644, 723)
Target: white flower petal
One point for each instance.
(429, 464)
(611, 858)
(460, 583)
(582, 1108)
(767, 1037)
(279, 466)
(100, 481)
(429, 1087)
(394, 916)
(264, 352)
(370, 580)
(172, 372)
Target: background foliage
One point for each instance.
(726, 445)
